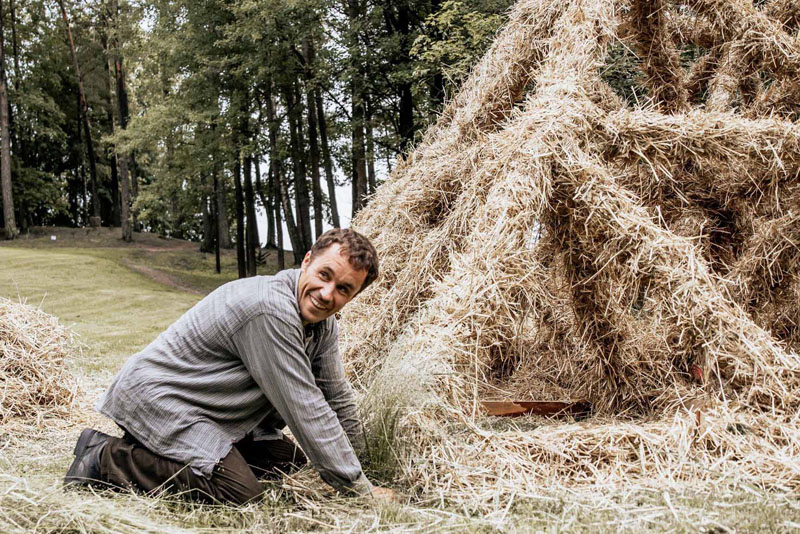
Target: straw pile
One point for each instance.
(34, 349)
(550, 240)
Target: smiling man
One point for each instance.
(204, 405)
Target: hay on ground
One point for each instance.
(35, 379)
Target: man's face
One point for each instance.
(327, 284)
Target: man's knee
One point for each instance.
(246, 493)
(234, 481)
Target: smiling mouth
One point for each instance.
(317, 303)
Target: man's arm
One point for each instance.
(272, 351)
(329, 375)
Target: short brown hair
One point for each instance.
(357, 248)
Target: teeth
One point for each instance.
(316, 303)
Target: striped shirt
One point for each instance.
(241, 361)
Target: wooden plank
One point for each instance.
(517, 408)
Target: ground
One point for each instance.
(117, 297)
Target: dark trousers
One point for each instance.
(126, 463)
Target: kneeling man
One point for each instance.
(204, 405)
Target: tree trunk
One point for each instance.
(371, 180)
(9, 222)
(123, 113)
(407, 128)
(301, 192)
(250, 209)
(222, 215)
(87, 129)
(241, 259)
(275, 173)
(72, 195)
(299, 167)
(294, 233)
(406, 119)
(326, 158)
(16, 144)
(266, 202)
(207, 241)
(358, 156)
(84, 198)
(215, 212)
(251, 231)
(276, 194)
(313, 145)
(282, 191)
(115, 213)
(14, 48)
(109, 210)
(436, 94)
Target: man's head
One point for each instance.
(340, 265)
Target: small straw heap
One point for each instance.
(550, 240)
(34, 378)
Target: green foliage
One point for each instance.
(455, 37)
(199, 71)
(42, 193)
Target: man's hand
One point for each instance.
(384, 495)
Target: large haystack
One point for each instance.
(34, 350)
(548, 239)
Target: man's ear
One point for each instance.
(306, 260)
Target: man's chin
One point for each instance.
(314, 315)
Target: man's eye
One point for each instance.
(344, 291)
(323, 275)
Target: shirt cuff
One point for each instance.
(358, 487)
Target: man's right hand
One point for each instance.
(384, 495)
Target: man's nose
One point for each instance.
(326, 292)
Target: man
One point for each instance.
(203, 406)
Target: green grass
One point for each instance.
(382, 463)
(114, 310)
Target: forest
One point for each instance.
(192, 119)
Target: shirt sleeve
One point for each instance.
(329, 375)
(272, 350)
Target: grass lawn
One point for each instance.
(115, 310)
(118, 297)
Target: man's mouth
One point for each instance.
(317, 304)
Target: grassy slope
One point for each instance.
(84, 280)
(115, 310)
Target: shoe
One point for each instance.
(85, 469)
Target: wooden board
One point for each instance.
(517, 408)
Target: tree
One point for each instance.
(357, 82)
(87, 129)
(343, 87)
(5, 143)
(316, 188)
(123, 113)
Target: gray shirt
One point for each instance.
(241, 361)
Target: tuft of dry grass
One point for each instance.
(35, 379)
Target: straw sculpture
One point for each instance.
(34, 376)
(551, 239)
